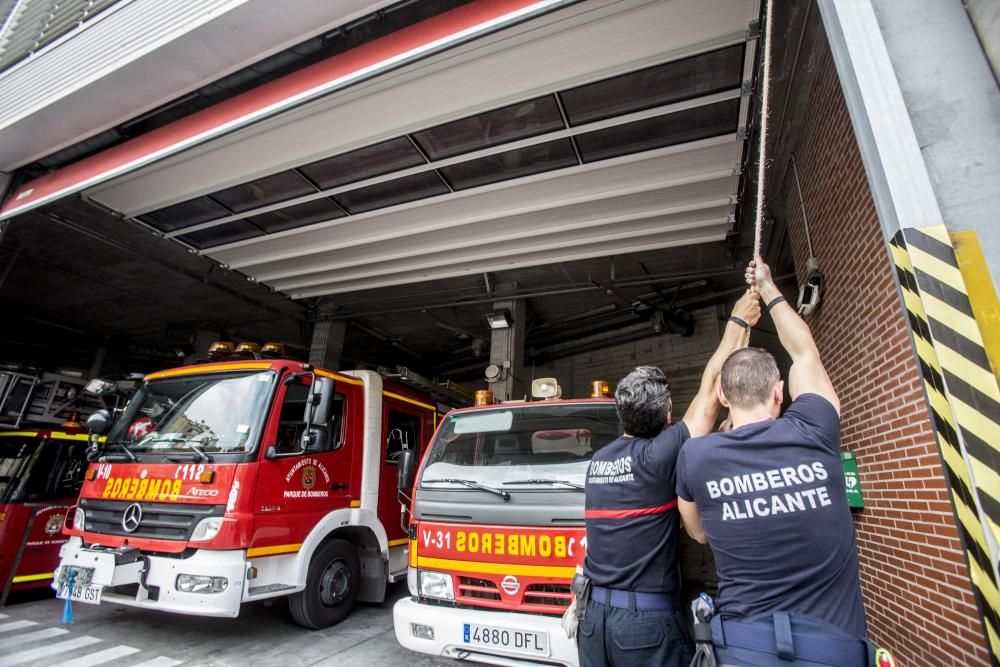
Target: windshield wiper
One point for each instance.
(197, 451)
(572, 485)
(473, 485)
(128, 452)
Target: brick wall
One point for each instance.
(682, 359)
(916, 584)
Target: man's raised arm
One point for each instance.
(700, 416)
(807, 375)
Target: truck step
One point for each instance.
(255, 591)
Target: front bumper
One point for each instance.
(448, 623)
(162, 575)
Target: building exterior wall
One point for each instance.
(914, 575)
(953, 100)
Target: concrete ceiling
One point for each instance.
(667, 197)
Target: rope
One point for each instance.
(765, 101)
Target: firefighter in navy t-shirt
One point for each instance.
(769, 498)
(633, 617)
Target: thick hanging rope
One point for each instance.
(765, 99)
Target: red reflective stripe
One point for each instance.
(618, 514)
(167, 140)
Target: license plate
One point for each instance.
(517, 641)
(82, 592)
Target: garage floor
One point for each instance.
(30, 634)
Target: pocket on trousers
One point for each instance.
(588, 623)
(635, 636)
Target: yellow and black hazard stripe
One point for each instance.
(964, 401)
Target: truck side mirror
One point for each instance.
(99, 387)
(99, 423)
(319, 404)
(406, 471)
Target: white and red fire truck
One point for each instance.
(497, 527)
(226, 483)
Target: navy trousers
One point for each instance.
(612, 637)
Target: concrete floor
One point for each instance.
(31, 634)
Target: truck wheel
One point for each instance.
(331, 585)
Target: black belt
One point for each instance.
(637, 600)
(778, 639)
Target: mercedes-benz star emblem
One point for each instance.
(131, 518)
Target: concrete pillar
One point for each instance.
(327, 345)
(507, 349)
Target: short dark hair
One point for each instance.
(642, 399)
(749, 376)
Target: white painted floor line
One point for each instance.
(161, 661)
(37, 635)
(3, 615)
(101, 657)
(16, 625)
(31, 655)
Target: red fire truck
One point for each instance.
(497, 528)
(42, 462)
(40, 475)
(225, 483)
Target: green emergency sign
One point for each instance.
(852, 481)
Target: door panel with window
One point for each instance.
(404, 426)
(44, 480)
(298, 487)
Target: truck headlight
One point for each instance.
(436, 585)
(207, 529)
(79, 519)
(194, 583)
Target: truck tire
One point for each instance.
(331, 586)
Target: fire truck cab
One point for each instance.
(497, 528)
(42, 463)
(40, 475)
(226, 483)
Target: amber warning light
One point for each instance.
(220, 349)
(600, 389)
(248, 348)
(73, 421)
(484, 397)
(272, 350)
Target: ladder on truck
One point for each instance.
(42, 398)
(447, 394)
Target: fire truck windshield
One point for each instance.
(16, 455)
(219, 413)
(521, 446)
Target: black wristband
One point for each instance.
(743, 323)
(774, 302)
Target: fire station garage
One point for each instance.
(476, 194)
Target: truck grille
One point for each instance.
(557, 595)
(160, 521)
(484, 591)
(477, 588)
